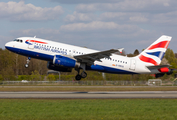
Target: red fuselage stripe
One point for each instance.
(37, 41)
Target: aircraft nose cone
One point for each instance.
(7, 45)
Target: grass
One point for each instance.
(84, 88)
(88, 109)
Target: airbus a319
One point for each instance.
(64, 57)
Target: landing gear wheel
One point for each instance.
(26, 65)
(78, 77)
(84, 74)
(28, 61)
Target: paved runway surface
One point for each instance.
(88, 95)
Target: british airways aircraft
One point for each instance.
(64, 57)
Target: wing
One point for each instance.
(90, 58)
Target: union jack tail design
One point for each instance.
(155, 52)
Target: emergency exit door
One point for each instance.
(132, 64)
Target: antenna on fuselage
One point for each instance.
(35, 36)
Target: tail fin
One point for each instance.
(155, 52)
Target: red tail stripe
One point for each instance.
(149, 60)
(37, 41)
(163, 44)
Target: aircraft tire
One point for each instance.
(26, 65)
(78, 77)
(84, 74)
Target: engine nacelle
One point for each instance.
(51, 66)
(65, 62)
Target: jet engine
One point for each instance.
(65, 62)
(51, 66)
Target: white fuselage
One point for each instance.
(46, 50)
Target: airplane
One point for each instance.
(64, 57)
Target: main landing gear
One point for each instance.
(28, 61)
(82, 75)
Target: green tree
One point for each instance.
(170, 56)
(35, 76)
(51, 77)
(136, 52)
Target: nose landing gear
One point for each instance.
(28, 61)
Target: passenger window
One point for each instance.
(21, 41)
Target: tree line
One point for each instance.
(12, 67)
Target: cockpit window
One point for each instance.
(18, 40)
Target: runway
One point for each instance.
(88, 95)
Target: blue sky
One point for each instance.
(96, 24)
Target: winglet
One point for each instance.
(120, 50)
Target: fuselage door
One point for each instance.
(132, 64)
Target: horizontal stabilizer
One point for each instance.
(157, 67)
